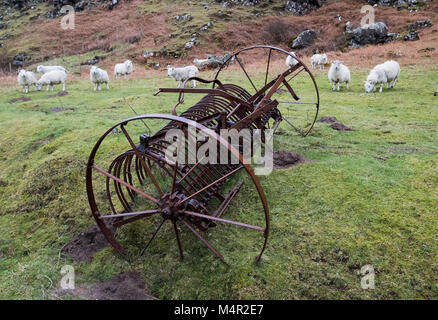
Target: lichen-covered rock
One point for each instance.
(395, 3)
(419, 24)
(411, 36)
(304, 39)
(375, 33)
(300, 7)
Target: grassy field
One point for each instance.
(369, 197)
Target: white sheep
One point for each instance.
(99, 76)
(436, 93)
(392, 70)
(123, 69)
(383, 73)
(318, 60)
(339, 73)
(201, 63)
(290, 60)
(45, 69)
(181, 74)
(377, 76)
(51, 78)
(26, 79)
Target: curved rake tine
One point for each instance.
(144, 194)
(211, 184)
(236, 223)
(134, 147)
(196, 233)
(153, 236)
(175, 227)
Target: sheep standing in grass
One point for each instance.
(338, 74)
(99, 76)
(377, 76)
(201, 63)
(123, 69)
(45, 69)
(51, 78)
(392, 71)
(387, 72)
(318, 60)
(436, 93)
(182, 74)
(26, 79)
(290, 60)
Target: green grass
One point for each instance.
(329, 217)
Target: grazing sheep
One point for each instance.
(99, 76)
(338, 74)
(45, 69)
(51, 78)
(318, 60)
(387, 72)
(201, 63)
(182, 74)
(290, 60)
(26, 79)
(377, 76)
(436, 93)
(392, 71)
(123, 69)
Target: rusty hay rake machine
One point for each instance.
(140, 184)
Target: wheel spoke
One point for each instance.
(146, 212)
(241, 66)
(143, 163)
(181, 255)
(144, 194)
(236, 223)
(196, 233)
(153, 236)
(267, 67)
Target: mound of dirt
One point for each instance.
(124, 286)
(286, 159)
(328, 120)
(339, 127)
(59, 94)
(20, 99)
(83, 246)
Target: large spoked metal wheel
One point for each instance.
(131, 182)
(255, 67)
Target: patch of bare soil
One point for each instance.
(328, 120)
(56, 109)
(40, 142)
(20, 99)
(339, 127)
(124, 286)
(59, 94)
(83, 246)
(286, 159)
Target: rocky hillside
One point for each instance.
(162, 31)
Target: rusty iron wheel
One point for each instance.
(130, 189)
